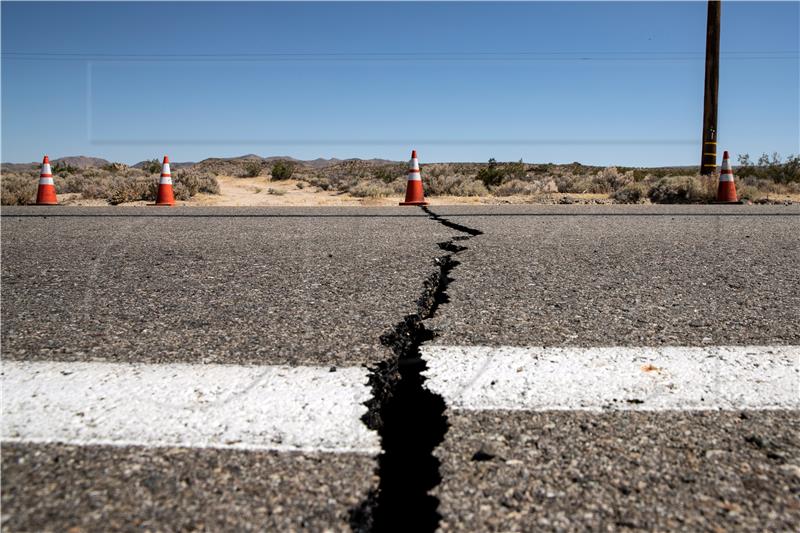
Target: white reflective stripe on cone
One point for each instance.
(165, 169)
(46, 169)
(165, 180)
(726, 177)
(726, 164)
(45, 181)
(414, 176)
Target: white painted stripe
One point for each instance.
(46, 181)
(628, 378)
(200, 406)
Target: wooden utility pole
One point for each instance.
(708, 159)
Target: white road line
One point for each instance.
(629, 378)
(204, 406)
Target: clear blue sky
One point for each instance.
(599, 83)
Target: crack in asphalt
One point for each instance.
(408, 417)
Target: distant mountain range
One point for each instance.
(82, 161)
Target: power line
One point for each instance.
(406, 56)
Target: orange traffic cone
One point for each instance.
(165, 196)
(414, 194)
(726, 191)
(46, 195)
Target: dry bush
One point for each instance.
(747, 192)
(340, 177)
(319, 180)
(197, 182)
(389, 173)
(371, 189)
(399, 185)
(251, 169)
(610, 179)
(454, 185)
(282, 170)
(18, 189)
(516, 187)
(682, 190)
(132, 190)
(574, 183)
(91, 183)
(470, 188)
(632, 193)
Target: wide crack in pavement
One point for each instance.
(408, 417)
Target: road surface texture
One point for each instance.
(147, 352)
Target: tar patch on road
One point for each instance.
(409, 418)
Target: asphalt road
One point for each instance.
(270, 286)
(318, 287)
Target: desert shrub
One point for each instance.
(89, 185)
(388, 173)
(470, 188)
(492, 174)
(152, 166)
(609, 180)
(748, 192)
(398, 186)
(341, 176)
(276, 192)
(771, 168)
(115, 168)
(251, 169)
(632, 193)
(371, 189)
(63, 168)
(181, 191)
(574, 183)
(209, 184)
(454, 185)
(132, 190)
(282, 170)
(92, 189)
(680, 190)
(17, 189)
(515, 187)
(514, 170)
(191, 183)
(319, 180)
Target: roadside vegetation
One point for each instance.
(768, 179)
(115, 183)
